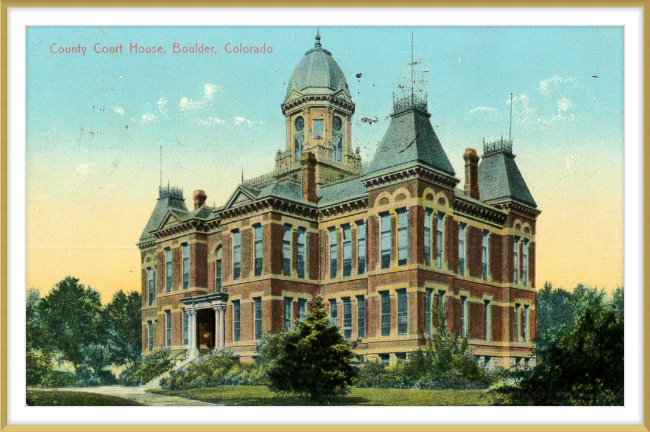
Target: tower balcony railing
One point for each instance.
(497, 145)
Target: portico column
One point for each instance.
(217, 330)
(222, 334)
(193, 349)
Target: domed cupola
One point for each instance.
(318, 108)
(318, 74)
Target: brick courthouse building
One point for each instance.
(383, 245)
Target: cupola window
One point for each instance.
(337, 141)
(318, 128)
(299, 137)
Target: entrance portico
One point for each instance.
(194, 305)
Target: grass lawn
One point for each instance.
(71, 398)
(260, 395)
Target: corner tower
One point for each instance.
(318, 108)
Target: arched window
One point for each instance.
(337, 141)
(298, 137)
(217, 271)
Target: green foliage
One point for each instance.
(123, 315)
(315, 360)
(585, 367)
(72, 314)
(39, 365)
(146, 368)
(444, 363)
(68, 398)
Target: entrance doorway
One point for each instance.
(206, 331)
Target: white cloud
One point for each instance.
(240, 120)
(85, 169)
(208, 121)
(189, 106)
(484, 109)
(118, 110)
(162, 106)
(148, 118)
(556, 79)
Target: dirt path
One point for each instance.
(137, 394)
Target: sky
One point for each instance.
(96, 122)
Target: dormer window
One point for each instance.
(318, 129)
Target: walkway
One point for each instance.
(137, 394)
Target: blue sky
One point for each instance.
(95, 122)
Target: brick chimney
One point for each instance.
(308, 162)
(471, 173)
(199, 199)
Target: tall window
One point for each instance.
(257, 301)
(427, 236)
(236, 254)
(463, 317)
(462, 254)
(524, 277)
(168, 265)
(385, 240)
(347, 318)
(217, 271)
(287, 312)
(428, 304)
(150, 335)
(442, 311)
(402, 312)
(486, 254)
(299, 137)
(402, 237)
(488, 320)
(150, 285)
(302, 236)
(347, 250)
(517, 320)
(186, 266)
(333, 253)
(385, 313)
(168, 328)
(236, 320)
(361, 247)
(361, 316)
(338, 148)
(334, 312)
(516, 260)
(286, 250)
(259, 249)
(524, 324)
(440, 239)
(318, 128)
(302, 309)
(186, 329)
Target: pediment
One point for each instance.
(170, 219)
(294, 95)
(342, 96)
(240, 197)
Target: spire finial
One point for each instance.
(317, 44)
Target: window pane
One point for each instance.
(440, 239)
(186, 266)
(236, 255)
(236, 316)
(347, 318)
(347, 250)
(302, 309)
(516, 256)
(287, 312)
(318, 128)
(258, 317)
(218, 276)
(338, 148)
(402, 312)
(297, 143)
(385, 241)
(361, 248)
(168, 328)
(385, 314)
(333, 254)
(259, 250)
(461, 249)
(334, 312)
(286, 251)
(301, 252)
(485, 255)
(150, 286)
(185, 328)
(361, 305)
(402, 232)
(488, 318)
(168, 263)
(463, 316)
(427, 311)
(150, 336)
(427, 236)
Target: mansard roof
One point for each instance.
(168, 199)
(410, 140)
(342, 191)
(500, 180)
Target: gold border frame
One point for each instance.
(645, 427)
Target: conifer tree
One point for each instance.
(316, 360)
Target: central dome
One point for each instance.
(317, 74)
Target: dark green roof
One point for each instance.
(342, 191)
(499, 180)
(410, 138)
(163, 205)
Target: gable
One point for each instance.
(294, 95)
(169, 220)
(240, 197)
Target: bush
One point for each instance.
(86, 377)
(39, 365)
(315, 359)
(223, 369)
(146, 369)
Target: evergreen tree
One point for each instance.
(316, 360)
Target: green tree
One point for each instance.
(316, 360)
(72, 315)
(123, 314)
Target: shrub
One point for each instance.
(39, 365)
(223, 369)
(315, 359)
(146, 369)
